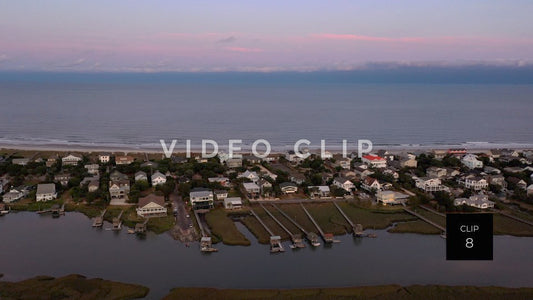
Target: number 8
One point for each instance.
(469, 243)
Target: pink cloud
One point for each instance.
(354, 37)
(244, 50)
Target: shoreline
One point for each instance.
(334, 149)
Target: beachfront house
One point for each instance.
(158, 178)
(151, 206)
(104, 158)
(20, 161)
(124, 160)
(374, 161)
(52, 160)
(408, 162)
(46, 192)
(71, 160)
(201, 199)
(234, 163)
(233, 203)
(471, 161)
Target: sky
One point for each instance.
(264, 36)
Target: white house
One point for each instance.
(344, 183)
(224, 181)
(158, 178)
(321, 191)
(471, 161)
(370, 184)
(151, 206)
(387, 198)
(233, 203)
(430, 184)
(480, 201)
(201, 199)
(474, 182)
(251, 188)
(14, 195)
(104, 157)
(530, 190)
(288, 187)
(374, 161)
(71, 160)
(46, 192)
(124, 160)
(250, 175)
(220, 194)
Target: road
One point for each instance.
(183, 230)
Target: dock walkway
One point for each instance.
(275, 240)
(327, 237)
(424, 219)
(311, 236)
(296, 238)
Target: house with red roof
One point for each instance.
(374, 161)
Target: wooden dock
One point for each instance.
(275, 240)
(117, 221)
(357, 230)
(141, 227)
(99, 220)
(206, 244)
(297, 241)
(432, 210)
(425, 219)
(327, 237)
(310, 236)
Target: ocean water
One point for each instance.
(137, 113)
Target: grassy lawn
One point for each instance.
(161, 224)
(70, 287)
(383, 292)
(505, 225)
(224, 229)
(257, 229)
(379, 218)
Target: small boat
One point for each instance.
(315, 244)
(131, 231)
(292, 246)
(371, 235)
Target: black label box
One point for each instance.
(469, 236)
